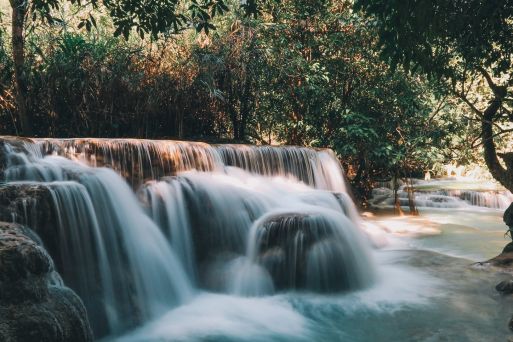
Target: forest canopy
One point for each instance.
(357, 79)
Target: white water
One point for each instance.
(105, 237)
(448, 193)
(155, 265)
(132, 259)
(225, 208)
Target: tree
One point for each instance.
(467, 45)
(323, 84)
(152, 18)
(19, 14)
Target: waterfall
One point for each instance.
(104, 237)
(224, 208)
(138, 226)
(138, 160)
(440, 197)
(313, 248)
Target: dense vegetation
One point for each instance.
(293, 71)
(467, 47)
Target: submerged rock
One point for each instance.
(504, 260)
(31, 308)
(311, 251)
(505, 287)
(283, 244)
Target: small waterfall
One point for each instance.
(136, 226)
(139, 160)
(220, 209)
(487, 199)
(168, 208)
(314, 248)
(136, 160)
(104, 237)
(449, 197)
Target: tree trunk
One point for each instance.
(397, 202)
(245, 107)
(411, 197)
(505, 177)
(19, 12)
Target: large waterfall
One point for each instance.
(139, 227)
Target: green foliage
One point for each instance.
(445, 37)
(467, 47)
(301, 72)
(153, 18)
(328, 87)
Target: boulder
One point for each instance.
(32, 307)
(283, 244)
(31, 204)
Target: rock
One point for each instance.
(508, 248)
(31, 308)
(31, 205)
(27, 203)
(508, 216)
(505, 287)
(284, 242)
(510, 324)
(16, 144)
(503, 260)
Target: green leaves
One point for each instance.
(88, 23)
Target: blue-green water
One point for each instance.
(427, 290)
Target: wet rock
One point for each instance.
(31, 205)
(284, 243)
(27, 203)
(31, 309)
(505, 287)
(503, 260)
(17, 144)
(508, 248)
(508, 216)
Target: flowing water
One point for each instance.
(179, 241)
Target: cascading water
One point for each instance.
(139, 160)
(314, 249)
(220, 209)
(106, 238)
(205, 218)
(446, 194)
